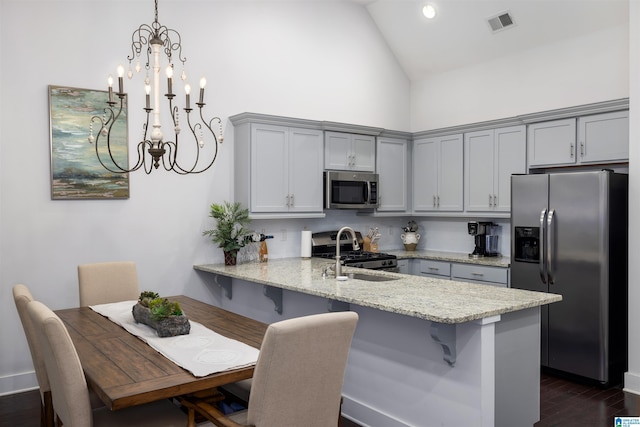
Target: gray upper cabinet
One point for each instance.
(552, 143)
(604, 137)
(351, 152)
(391, 166)
(278, 170)
(491, 157)
(593, 139)
(437, 174)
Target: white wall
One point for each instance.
(318, 60)
(578, 71)
(632, 377)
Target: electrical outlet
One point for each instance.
(283, 235)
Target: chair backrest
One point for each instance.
(22, 297)
(299, 374)
(68, 385)
(107, 282)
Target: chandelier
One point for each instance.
(153, 149)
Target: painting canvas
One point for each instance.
(76, 172)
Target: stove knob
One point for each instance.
(384, 262)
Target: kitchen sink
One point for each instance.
(370, 277)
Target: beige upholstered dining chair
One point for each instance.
(106, 282)
(22, 297)
(298, 377)
(69, 388)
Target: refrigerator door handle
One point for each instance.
(551, 232)
(542, 262)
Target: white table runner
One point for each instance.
(202, 351)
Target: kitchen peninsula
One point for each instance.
(426, 351)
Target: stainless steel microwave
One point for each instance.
(350, 190)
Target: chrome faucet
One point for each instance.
(355, 244)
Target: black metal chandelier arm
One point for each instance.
(194, 131)
(97, 141)
(107, 125)
(165, 34)
(139, 39)
(169, 160)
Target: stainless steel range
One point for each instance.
(323, 245)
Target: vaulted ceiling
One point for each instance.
(460, 35)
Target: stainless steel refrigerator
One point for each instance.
(569, 237)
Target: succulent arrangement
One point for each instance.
(159, 308)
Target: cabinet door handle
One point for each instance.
(571, 150)
(490, 201)
(434, 269)
(495, 200)
(438, 199)
(434, 200)
(477, 274)
(582, 149)
(288, 201)
(291, 201)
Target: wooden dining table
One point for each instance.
(124, 371)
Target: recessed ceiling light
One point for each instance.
(429, 11)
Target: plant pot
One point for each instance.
(168, 327)
(230, 257)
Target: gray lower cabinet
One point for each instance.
(404, 266)
(429, 268)
(495, 276)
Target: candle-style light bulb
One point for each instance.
(187, 91)
(147, 89)
(110, 83)
(120, 70)
(203, 83)
(169, 71)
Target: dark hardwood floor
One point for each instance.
(563, 403)
(567, 403)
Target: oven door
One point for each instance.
(346, 190)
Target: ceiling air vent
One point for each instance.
(500, 22)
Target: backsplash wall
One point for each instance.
(439, 234)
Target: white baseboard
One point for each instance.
(632, 382)
(18, 383)
(367, 416)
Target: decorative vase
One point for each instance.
(168, 327)
(230, 257)
(410, 240)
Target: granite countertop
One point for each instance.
(437, 300)
(499, 261)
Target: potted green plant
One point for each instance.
(231, 232)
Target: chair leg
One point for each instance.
(47, 415)
(340, 414)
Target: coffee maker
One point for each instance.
(486, 239)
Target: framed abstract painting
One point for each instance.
(76, 172)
